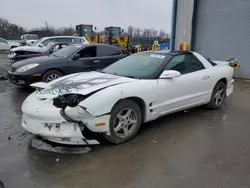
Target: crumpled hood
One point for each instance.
(27, 48)
(79, 83)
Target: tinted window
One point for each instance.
(87, 52)
(108, 51)
(141, 65)
(67, 51)
(184, 64)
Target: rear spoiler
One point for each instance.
(231, 62)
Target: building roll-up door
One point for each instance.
(222, 31)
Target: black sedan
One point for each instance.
(71, 59)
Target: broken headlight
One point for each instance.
(71, 100)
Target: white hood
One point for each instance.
(27, 48)
(79, 83)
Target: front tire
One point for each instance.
(51, 75)
(125, 121)
(218, 96)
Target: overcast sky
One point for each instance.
(100, 13)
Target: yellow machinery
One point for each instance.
(87, 31)
(114, 35)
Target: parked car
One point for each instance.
(71, 59)
(46, 40)
(116, 101)
(28, 39)
(6, 45)
(37, 52)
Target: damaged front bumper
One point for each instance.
(41, 118)
(59, 131)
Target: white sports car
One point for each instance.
(117, 100)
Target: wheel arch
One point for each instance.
(51, 69)
(139, 101)
(224, 80)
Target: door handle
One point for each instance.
(96, 61)
(205, 77)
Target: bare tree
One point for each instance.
(8, 30)
(137, 32)
(130, 30)
(154, 33)
(144, 33)
(162, 34)
(167, 36)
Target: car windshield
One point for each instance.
(140, 65)
(38, 41)
(67, 51)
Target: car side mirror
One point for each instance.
(41, 45)
(76, 57)
(170, 74)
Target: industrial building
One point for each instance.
(218, 29)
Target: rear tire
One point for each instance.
(218, 96)
(125, 122)
(51, 75)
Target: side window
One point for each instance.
(108, 51)
(77, 40)
(46, 42)
(185, 64)
(87, 52)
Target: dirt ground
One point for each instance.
(199, 148)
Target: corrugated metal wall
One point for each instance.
(222, 31)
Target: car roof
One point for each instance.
(96, 44)
(56, 43)
(168, 52)
(62, 37)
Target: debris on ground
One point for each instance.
(57, 160)
(154, 141)
(224, 118)
(42, 145)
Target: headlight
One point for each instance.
(71, 100)
(27, 67)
